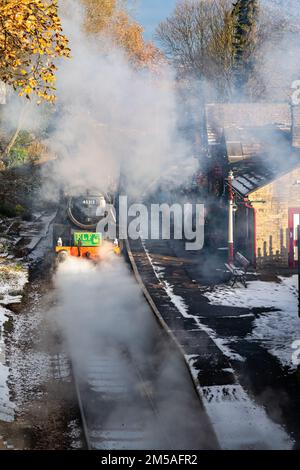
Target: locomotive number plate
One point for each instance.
(88, 238)
(89, 202)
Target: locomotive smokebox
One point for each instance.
(85, 211)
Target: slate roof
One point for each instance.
(253, 174)
(220, 116)
(257, 138)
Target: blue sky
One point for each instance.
(150, 12)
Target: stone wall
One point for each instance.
(272, 203)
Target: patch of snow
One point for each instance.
(250, 428)
(239, 423)
(3, 313)
(30, 368)
(237, 420)
(275, 330)
(223, 344)
(13, 279)
(191, 360)
(74, 432)
(6, 405)
(258, 294)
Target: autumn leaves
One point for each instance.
(31, 39)
(107, 18)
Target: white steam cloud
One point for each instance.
(112, 118)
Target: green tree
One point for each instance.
(245, 14)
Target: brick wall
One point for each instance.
(272, 203)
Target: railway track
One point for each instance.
(121, 406)
(135, 399)
(117, 409)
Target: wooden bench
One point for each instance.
(238, 270)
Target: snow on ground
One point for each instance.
(238, 421)
(6, 406)
(181, 306)
(276, 330)
(240, 424)
(250, 427)
(34, 366)
(75, 434)
(13, 278)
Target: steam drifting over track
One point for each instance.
(132, 385)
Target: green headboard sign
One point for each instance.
(88, 238)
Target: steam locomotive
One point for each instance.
(75, 229)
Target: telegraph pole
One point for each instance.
(230, 218)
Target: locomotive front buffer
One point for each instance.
(89, 245)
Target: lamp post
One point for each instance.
(230, 218)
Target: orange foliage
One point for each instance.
(98, 14)
(129, 35)
(105, 17)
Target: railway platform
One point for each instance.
(171, 279)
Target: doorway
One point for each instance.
(294, 221)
